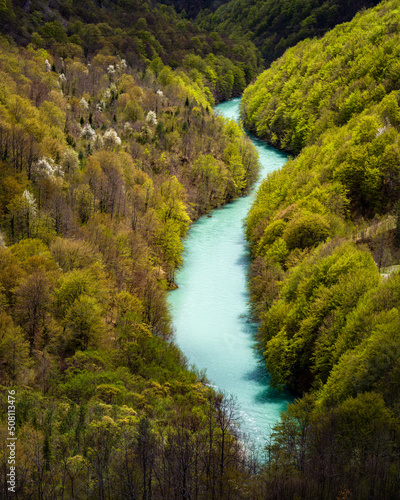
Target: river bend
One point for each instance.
(210, 307)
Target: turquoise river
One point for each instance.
(210, 307)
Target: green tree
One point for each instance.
(14, 351)
(83, 323)
(306, 231)
(33, 302)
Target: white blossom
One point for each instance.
(47, 66)
(62, 78)
(2, 242)
(127, 127)
(88, 133)
(123, 64)
(151, 118)
(111, 69)
(160, 92)
(46, 167)
(107, 94)
(83, 102)
(111, 138)
(98, 142)
(29, 203)
(100, 105)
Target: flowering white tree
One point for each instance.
(110, 93)
(83, 102)
(47, 168)
(24, 212)
(29, 203)
(151, 118)
(98, 142)
(127, 127)
(111, 138)
(29, 210)
(88, 133)
(47, 66)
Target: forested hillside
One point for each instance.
(274, 26)
(192, 7)
(103, 165)
(142, 32)
(109, 149)
(325, 238)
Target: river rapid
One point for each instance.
(210, 307)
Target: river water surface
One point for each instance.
(210, 309)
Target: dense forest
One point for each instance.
(325, 239)
(109, 149)
(192, 7)
(274, 26)
(142, 32)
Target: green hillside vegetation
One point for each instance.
(192, 7)
(322, 232)
(274, 26)
(322, 84)
(144, 33)
(102, 169)
(109, 149)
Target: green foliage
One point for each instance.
(271, 233)
(233, 160)
(305, 231)
(133, 112)
(274, 27)
(74, 284)
(83, 323)
(14, 351)
(141, 36)
(292, 103)
(299, 331)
